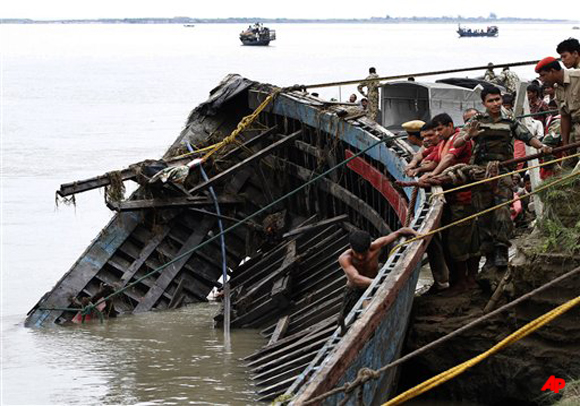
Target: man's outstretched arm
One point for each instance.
(388, 239)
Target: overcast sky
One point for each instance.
(70, 9)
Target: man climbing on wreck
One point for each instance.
(360, 263)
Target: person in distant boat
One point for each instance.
(566, 84)
(372, 93)
(569, 51)
(493, 134)
(360, 264)
(352, 98)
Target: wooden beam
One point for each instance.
(280, 330)
(257, 156)
(287, 263)
(322, 223)
(145, 252)
(166, 275)
(172, 203)
(71, 188)
(341, 193)
(250, 142)
(250, 223)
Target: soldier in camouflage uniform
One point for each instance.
(510, 80)
(493, 134)
(489, 75)
(372, 93)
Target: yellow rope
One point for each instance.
(503, 175)
(242, 125)
(512, 338)
(421, 236)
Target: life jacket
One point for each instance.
(495, 143)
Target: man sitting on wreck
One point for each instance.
(360, 263)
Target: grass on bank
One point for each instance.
(560, 223)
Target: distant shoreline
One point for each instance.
(373, 20)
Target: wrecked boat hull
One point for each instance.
(292, 286)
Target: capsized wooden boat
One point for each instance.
(285, 278)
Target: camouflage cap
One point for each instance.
(413, 126)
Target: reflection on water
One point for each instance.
(171, 357)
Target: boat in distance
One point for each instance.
(491, 31)
(257, 34)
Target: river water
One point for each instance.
(81, 100)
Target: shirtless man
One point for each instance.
(360, 263)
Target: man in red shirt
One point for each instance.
(420, 164)
(460, 241)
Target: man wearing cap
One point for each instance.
(360, 264)
(493, 133)
(569, 51)
(372, 93)
(566, 84)
(413, 129)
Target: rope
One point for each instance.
(473, 216)
(455, 333)
(512, 338)
(503, 175)
(412, 203)
(227, 230)
(405, 76)
(242, 125)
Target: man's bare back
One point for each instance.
(362, 266)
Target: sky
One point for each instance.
(73, 9)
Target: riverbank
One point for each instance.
(517, 373)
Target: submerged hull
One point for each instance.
(262, 42)
(291, 288)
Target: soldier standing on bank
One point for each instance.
(372, 93)
(493, 134)
(566, 84)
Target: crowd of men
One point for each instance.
(486, 138)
